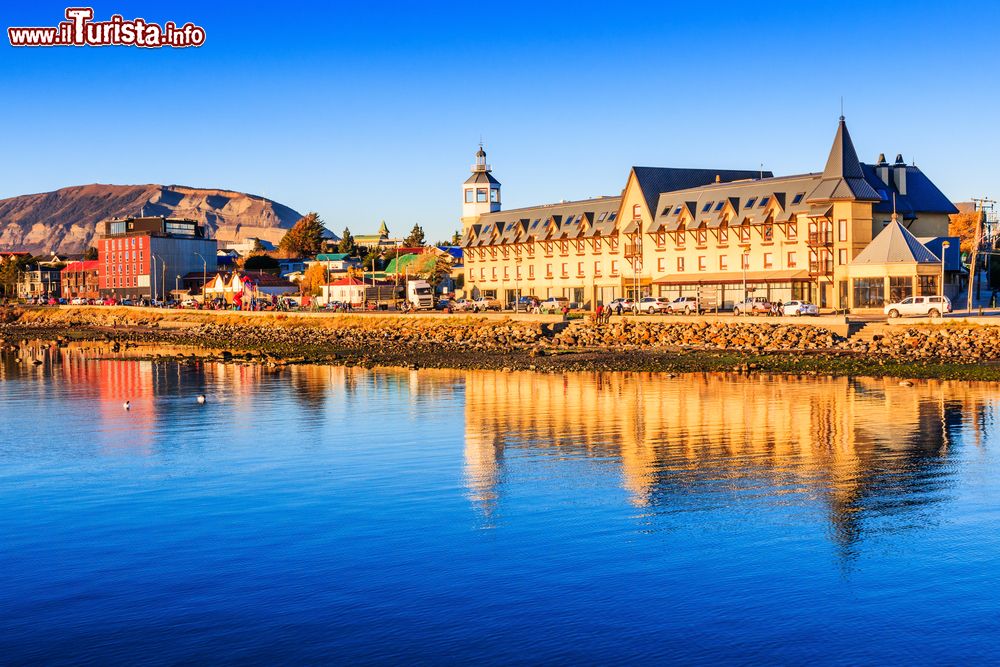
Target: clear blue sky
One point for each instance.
(364, 111)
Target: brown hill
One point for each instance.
(65, 221)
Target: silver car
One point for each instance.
(799, 308)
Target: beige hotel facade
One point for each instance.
(852, 236)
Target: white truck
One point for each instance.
(420, 294)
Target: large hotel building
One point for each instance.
(850, 237)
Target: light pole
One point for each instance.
(152, 261)
(204, 276)
(944, 249)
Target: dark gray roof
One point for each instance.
(565, 220)
(481, 177)
(922, 196)
(843, 178)
(654, 181)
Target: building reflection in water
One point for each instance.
(864, 447)
(858, 448)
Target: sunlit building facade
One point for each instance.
(722, 235)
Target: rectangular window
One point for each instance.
(927, 285)
(660, 265)
(768, 233)
(842, 256)
(745, 261)
(494, 195)
(724, 235)
(482, 274)
(680, 263)
(469, 196)
(614, 267)
(900, 287)
(768, 260)
(793, 231)
(723, 263)
(481, 195)
(506, 273)
(702, 236)
(531, 271)
(579, 268)
(565, 270)
(702, 263)
(597, 268)
(869, 292)
(842, 230)
(493, 273)
(791, 260)
(548, 270)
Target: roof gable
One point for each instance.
(842, 177)
(896, 245)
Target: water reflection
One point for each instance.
(864, 448)
(868, 454)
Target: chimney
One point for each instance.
(882, 169)
(899, 174)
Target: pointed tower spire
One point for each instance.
(843, 178)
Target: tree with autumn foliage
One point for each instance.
(305, 239)
(963, 225)
(431, 266)
(312, 280)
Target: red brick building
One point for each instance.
(147, 257)
(81, 279)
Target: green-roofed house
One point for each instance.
(336, 262)
(381, 238)
(399, 265)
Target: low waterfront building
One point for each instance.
(145, 257)
(241, 287)
(40, 281)
(717, 234)
(345, 290)
(81, 280)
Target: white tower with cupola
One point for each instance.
(480, 193)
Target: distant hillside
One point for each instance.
(65, 221)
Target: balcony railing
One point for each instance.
(821, 268)
(633, 249)
(821, 238)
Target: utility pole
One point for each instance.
(981, 203)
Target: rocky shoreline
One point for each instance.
(944, 351)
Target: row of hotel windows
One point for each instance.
(122, 257)
(121, 244)
(518, 275)
(791, 262)
(126, 281)
(750, 203)
(817, 231)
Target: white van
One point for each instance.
(921, 306)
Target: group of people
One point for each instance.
(603, 313)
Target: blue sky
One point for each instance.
(363, 112)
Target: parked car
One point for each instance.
(484, 304)
(684, 304)
(460, 305)
(554, 304)
(628, 305)
(921, 306)
(189, 303)
(525, 303)
(652, 305)
(755, 305)
(799, 308)
(78, 301)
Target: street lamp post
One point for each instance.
(944, 249)
(204, 276)
(152, 261)
(745, 259)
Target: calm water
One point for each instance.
(336, 515)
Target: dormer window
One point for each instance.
(718, 207)
(798, 198)
(764, 201)
(707, 207)
(601, 217)
(750, 202)
(677, 211)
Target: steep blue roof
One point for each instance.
(656, 180)
(922, 196)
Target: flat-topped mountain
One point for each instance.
(65, 221)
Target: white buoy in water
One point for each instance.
(201, 399)
(127, 405)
